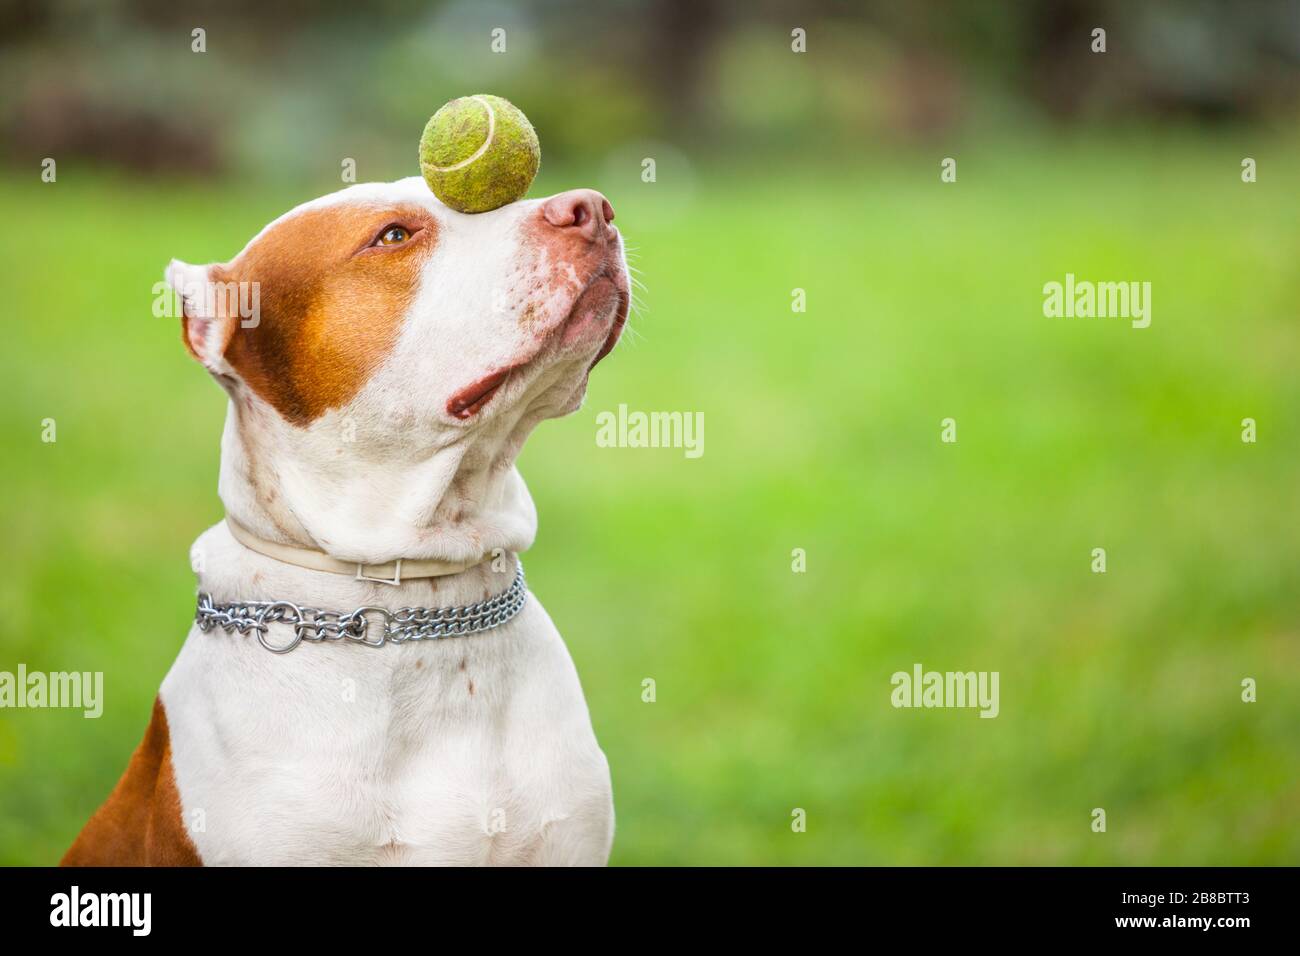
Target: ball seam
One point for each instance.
(478, 153)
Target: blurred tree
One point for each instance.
(283, 85)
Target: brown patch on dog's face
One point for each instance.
(334, 286)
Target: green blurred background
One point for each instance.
(775, 171)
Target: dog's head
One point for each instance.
(375, 328)
(379, 290)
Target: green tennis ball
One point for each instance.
(479, 153)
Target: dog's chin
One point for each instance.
(587, 334)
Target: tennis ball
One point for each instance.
(479, 153)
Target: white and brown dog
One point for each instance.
(399, 356)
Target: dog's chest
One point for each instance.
(469, 751)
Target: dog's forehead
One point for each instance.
(412, 191)
(329, 307)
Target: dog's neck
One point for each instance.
(374, 492)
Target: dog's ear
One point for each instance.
(207, 323)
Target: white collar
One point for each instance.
(392, 572)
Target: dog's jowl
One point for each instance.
(368, 678)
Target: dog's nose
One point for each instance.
(582, 209)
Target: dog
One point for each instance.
(398, 355)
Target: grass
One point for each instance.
(1118, 690)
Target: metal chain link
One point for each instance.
(404, 624)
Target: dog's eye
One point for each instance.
(392, 236)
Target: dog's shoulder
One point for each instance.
(140, 823)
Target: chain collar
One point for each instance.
(394, 627)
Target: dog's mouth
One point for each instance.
(603, 293)
(600, 308)
(472, 398)
(621, 306)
